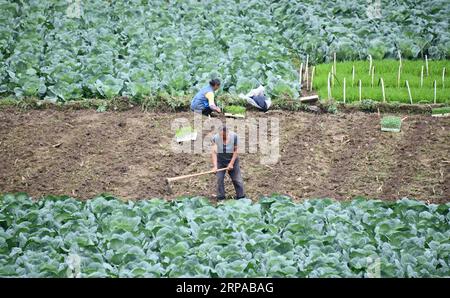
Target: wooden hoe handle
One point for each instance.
(194, 175)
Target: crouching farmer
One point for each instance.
(257, 98)
(203, 101)
(224, 153)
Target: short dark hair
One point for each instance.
(224, 128)
(214, 82)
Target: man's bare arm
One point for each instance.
(233, 159)
(214, 156)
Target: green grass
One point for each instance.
(235, 110)
(391, 122)
(443, 110)
(388, 70)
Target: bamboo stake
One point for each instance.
(421, 77)
(373, 74)
(426, 64)
(332, 76)
(382, 89)
(300, 73)
(400, 57)
(360, 93)
(344, 90)
(409, 92)
(370, 63)
(307, 76)
(399, 75)
(329, 86)
(443, 78)
(306, 71)
(435, 85)
(353, 75)
(334, 57)
(312, 78)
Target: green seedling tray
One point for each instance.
(189, 134)
(391, 123)
(234, 111)
(187, 138)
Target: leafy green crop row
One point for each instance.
(140, 47)
(61, 236)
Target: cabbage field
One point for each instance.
(62, 50)
(61, 236)
(142, 55)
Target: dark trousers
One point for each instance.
(236, 178)
(205, 111)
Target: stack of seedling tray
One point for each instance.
(185, 134)
(391, 123)
(234, 111)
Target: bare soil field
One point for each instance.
(129, 154)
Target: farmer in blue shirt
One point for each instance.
(203, 101)
(224, 153)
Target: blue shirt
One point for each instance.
(200, 102)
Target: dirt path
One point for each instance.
(84, 153)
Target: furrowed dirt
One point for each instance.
(129, 154)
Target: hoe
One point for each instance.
(172, 179)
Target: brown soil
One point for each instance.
(128, 154)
